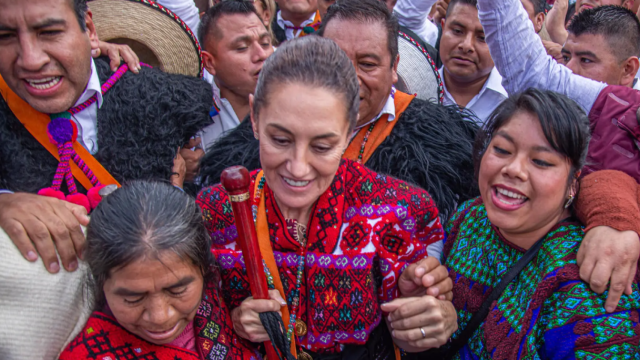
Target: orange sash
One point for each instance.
(315, 24)
(264, 240)
(380, 131)
(36, 123)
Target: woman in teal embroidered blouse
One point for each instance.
(528, 161)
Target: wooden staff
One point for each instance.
(236, 182)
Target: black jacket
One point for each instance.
(143, 121)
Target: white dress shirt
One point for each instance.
(389, 108)
(225, 120)
(87, 119)
(185, 10)
(289, 32)
(522, 60)
(489, 97)
(414, 14)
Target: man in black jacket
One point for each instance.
(134, 129)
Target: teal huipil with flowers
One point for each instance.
(546, 312)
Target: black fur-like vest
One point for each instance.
(143, 121)
(431, 147)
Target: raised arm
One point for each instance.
(414, 14)
(521, 58)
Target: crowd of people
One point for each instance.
(488, 210)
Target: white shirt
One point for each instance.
(185, 10)
(225, 120)
(414, 14)
(522, 60)
(87, 119)
(291, 33)
(389, 108)
(489, 97)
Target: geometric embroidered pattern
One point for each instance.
(546, 311)
(364, 230)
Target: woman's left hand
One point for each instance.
(426, 277)
(420, 323)
(115, 52)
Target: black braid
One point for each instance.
(272, 322)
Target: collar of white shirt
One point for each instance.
(93, 87)
(389, 108)
(225, 120)
(289, 31)
(493, 83)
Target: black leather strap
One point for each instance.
(482, 313)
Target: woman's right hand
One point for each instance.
(246, 317)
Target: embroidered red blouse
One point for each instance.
(364, 230)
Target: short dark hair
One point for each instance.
(80, 8)
(208, 22)
(144, 218)
(314, 61)
(539, 6)
(453, 4)
(365, 11)
(564, 124)
(619, 26)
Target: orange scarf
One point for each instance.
(264, 241)
(380, 131)
(36, 123)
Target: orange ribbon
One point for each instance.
(380, 131)
(36, 123)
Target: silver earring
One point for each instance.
(255, 135)
(569, 202)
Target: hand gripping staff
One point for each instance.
(236, 182)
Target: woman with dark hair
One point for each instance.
(153, 282)
(336, 235)
(512, 251)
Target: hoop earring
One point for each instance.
(569, 202)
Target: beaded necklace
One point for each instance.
(370, 129)
(295, 296)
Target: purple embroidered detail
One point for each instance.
(371, 211)
(328, 338)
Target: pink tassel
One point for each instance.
(50, 192)
(94, 196)
(79, 199)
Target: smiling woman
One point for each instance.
(338, 234)
(153, 282)
(520, 233)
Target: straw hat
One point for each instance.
(417, 73)
(159, 37)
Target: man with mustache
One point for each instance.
(54, 106)
(470, 78)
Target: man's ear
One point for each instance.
(254, 121)
(209, 62)
(629, 71)
(539, 22)
(91, 31)
(627, 4)
(394, 78)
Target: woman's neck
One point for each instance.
(528, 239)
(301, 215)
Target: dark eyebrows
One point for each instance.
(183, 282)
(505, 135)
(48, 23)
(458, 24)
(372, 56)
(586, 53)
(241, 39)
(543, 149)
(323, 136)
(37, 26)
